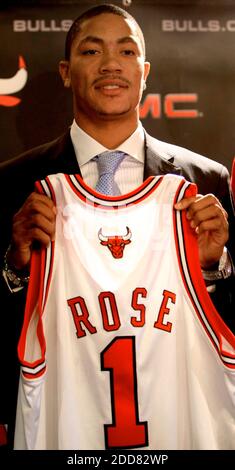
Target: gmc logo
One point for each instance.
(171, 106)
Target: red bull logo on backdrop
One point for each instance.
(9, 86)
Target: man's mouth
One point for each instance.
(111, 83)
(110, 87)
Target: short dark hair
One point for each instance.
(96, 11)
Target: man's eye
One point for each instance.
(90, 52)
(128, 52)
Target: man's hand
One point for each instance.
(209, 219)
(35, 221)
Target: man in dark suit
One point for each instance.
(106, 69)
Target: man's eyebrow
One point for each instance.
(97, 40)
(126, 40)
(91, 39)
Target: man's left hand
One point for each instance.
(210, 222)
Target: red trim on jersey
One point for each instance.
(33, 303)
(194, 271)
(51, 189)
(40, 189)
(112, 199)
(233, 180)
(3, 435)
(29, 375)
(40, 270)
(49, 275)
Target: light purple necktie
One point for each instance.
(108, 163)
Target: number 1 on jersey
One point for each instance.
(126, 430)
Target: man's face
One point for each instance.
(106, 69)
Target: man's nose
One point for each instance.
(110, 63)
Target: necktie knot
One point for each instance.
(108, 163)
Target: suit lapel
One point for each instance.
(65, 156)
(158, 158)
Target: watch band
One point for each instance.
(224, 271)
(15, 279)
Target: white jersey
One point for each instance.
(121, 345)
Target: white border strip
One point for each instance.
(112, 203)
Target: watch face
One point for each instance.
(14, 279)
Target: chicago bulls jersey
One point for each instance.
(121, 346)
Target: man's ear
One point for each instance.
(146, 70)
(65, 73)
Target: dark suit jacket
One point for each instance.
(17, 182)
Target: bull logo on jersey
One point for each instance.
(13, 85)
(115, 243)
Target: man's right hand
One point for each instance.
(35, 221)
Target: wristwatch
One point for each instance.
(225, 268)
(15, 279)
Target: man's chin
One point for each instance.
(113, 114)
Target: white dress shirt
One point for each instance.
(130, 172)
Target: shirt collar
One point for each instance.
(86, 147)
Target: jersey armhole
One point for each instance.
(218, 332)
